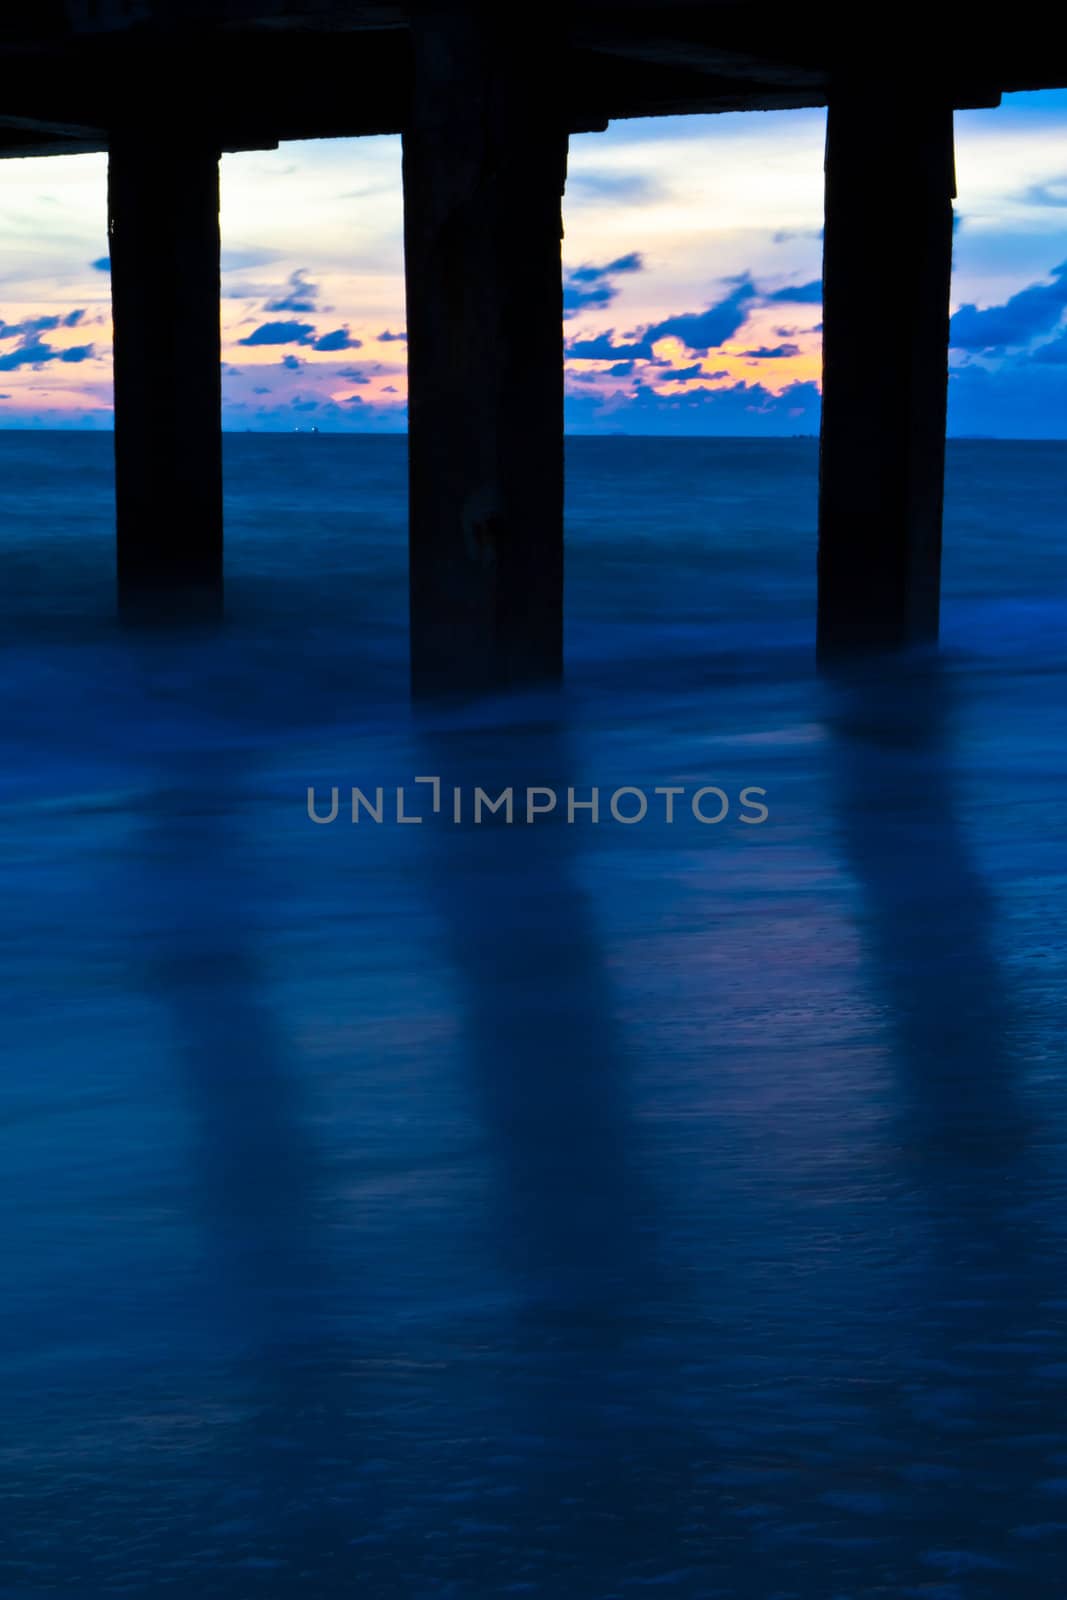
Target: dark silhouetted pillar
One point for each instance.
(887, 267)
(484, 166)
(163, 226)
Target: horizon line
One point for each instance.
(402, 433)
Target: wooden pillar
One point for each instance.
(163, 227)
(484, 166)
(886, 279)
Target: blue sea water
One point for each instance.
(581, 1209)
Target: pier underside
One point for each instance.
(485, 113)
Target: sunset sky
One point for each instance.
(691, 257)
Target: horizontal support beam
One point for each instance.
(49, 128)
(15, 146)
(258, 85)
(252, 89)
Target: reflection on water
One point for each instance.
(927, 915)
(553, 1209)
(979, 1314)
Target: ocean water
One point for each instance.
(558, 1208)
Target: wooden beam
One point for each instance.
(284, 69)
(163, 225)
(48, 129)
(484, 163)
(618, 86)
(886, 279)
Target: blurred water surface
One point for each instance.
(568, 1210)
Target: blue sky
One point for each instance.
(692, 261)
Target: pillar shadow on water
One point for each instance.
(257, 1191)
(928, 916)
(546, 1057)
(549, 1446)
(600, 1460)
(297, 1478)
(253, 1165)
(970, 1343)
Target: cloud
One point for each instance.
(1021, 400)
(353, 375)
(261, 389)
(32, 325)
(590, 285)
(392, 338)
(301, 294)
(33, 352)
(681, 374)
(701, 331)
(243, 291)
(1052, 354)
(281, 333)
(601, 348)
(777, 352)
(621, 369)
(594, 186)
(797, 294)
(576, 298)
(1053, 193)
(1033, 311)
(738, 409)
(293, 363)
(591, 274)
(339, 339)
(251, 256)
